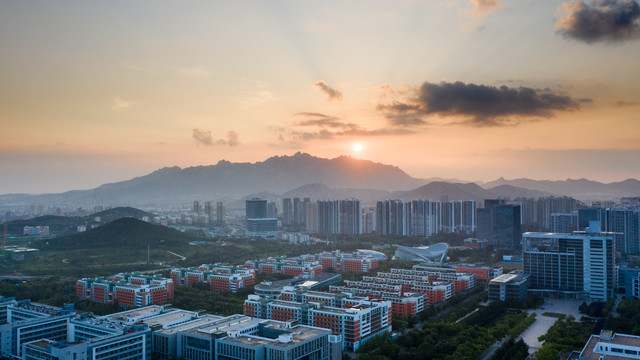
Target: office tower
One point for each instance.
(219, 213)
(468, 210)
(393, 217)
(287, 212)
(587, 215)
(624, 222)
(578, 264)
(500, 225)
(564, 223)
(256, 209)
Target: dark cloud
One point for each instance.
(482, 105)
(202, 136)
(319, 119)
(626, 103)
(602, 20)
(332, 93)
(205, 137)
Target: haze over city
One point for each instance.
(96, 92)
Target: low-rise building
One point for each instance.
(611, 346)
(509, 286)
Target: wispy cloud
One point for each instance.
(331, 93)
(121, 104)
(626, 103)
(480, 105)
(315, 126)
(482, 8)
(205, 137)
(602, 20)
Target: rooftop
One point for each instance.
(607, 337)
(297, 334)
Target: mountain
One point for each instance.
(62, 225)
(581, 189)
(458, 191)
(225, 179)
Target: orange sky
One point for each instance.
(101, 92)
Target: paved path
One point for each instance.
(178, 255)
(543, 323)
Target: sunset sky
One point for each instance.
(101, 91)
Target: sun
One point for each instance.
(357, 147)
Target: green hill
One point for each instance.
(123, 233)
(64, 225)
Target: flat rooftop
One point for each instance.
(298, 333)
(617, 339)
(198, 322)
(132, 315)
(170, 317)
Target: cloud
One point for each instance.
(626, 103)
(205, 137)
(482, 8)
(331, 93)
(482, 105)
(121, 104)
(603, 20)
(202, 136)
(232, 138)
(326, 127)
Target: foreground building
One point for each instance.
(34, 331)
(509, 286)
(578, 265)
(611, 346)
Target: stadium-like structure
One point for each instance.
(434, 253)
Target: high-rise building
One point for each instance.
(624, 222)
(500, 225)
(272, 210)
(564, 222)
(220, 213)
(311, 221)
(256, 209)
(578, 264)
(393, 217)
(339, 217)
(586, 215)
(426, 217)
(287, 212)
(196, 207)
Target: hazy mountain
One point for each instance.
(457, 191)
(225, 179)
(581, 189)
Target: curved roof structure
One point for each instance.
(435, 252)
(376, 254)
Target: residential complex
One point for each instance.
(354, 320)
(216, 277)
(313, 265)
(128, 290)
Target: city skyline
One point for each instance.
(472, 90)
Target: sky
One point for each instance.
(93, 92)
